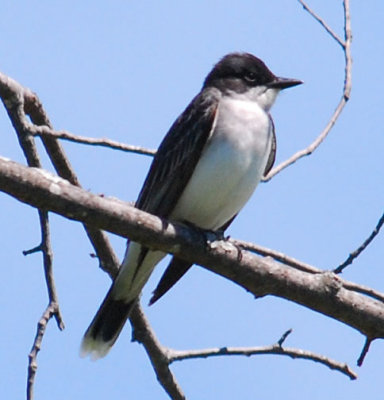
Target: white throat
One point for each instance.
(262, 95)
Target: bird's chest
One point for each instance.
(242, 138)
(230, 166)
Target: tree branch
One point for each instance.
(275, 349)
(364, 351)
(276, 255)
(325, 292)
(346, 46)
(49, 312)
(158, 354)
(14, 106)
(352, 256)
(19, 99)
(44, 131)
(322, 23)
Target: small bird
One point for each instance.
(204, 172)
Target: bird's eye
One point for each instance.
(250, 76)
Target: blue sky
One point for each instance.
(125, 70)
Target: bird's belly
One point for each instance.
(224, 179)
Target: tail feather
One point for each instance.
(108, 322)
(105, 327)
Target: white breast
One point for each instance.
(230, 167)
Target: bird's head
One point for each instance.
(244, 75)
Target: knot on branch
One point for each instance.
(331, 283)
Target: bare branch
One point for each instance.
(48, 269)
(276, 349)
(325, 292)
(276, 255)
(104, 142)
(365, 290)
(14, 105)
(16, 96)
(292, 262)
(32, 365)
(322, 23)
(158, 354)
(35, 249)
(161, 357)
(347, 52)
(352, 256)
(284, 337)
(15, 110)
(346, 45)
(364, 351)
(17, 100)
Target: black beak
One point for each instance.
(283, 83)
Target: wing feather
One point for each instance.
(272, 153)
(178, 155)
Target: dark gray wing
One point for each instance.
(175, 270)
(272, 154)
(178, 155)
(175, 161)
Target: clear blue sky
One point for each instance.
(125, 70)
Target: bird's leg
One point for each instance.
(213, 238)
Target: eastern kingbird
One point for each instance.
(204, 171)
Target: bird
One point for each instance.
(204, 171)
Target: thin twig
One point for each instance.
(104, 142)
(48, 269)
(35, 249)
(343, 101)
(276, 255)
(284, 337)
(364, 351)
(32, 357)
(276, 349)
(364, 290)
(352, 256)
(322, 23)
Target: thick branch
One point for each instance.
(322, 292)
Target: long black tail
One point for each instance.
(105, 326)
